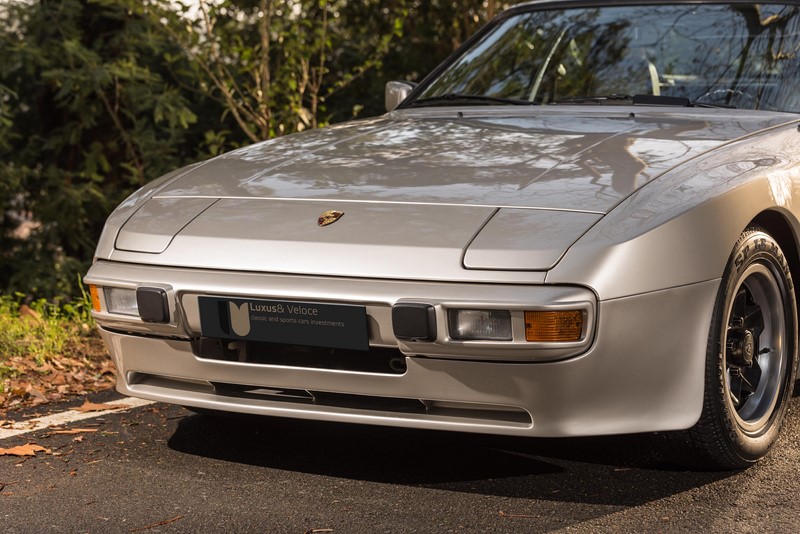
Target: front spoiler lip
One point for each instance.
(492, 418)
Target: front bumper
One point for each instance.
(641, 371)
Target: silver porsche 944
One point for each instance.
(584, 222)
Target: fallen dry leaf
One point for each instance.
(20, 389)
(29, 449)
(37, 396)
(26, 313)
(99, 407)
(44, 368)
(75, 431)
(56, 379)
(77, 376)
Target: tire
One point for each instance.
(751, 360)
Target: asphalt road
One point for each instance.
(163, 469)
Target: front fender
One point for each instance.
(681, 228)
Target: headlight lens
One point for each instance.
(486, 325)
(121, 301)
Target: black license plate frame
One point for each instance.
(337, 326)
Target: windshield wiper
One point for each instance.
(592, 99)
(643, 100)
(697, 104)
(456, 98)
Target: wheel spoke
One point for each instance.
(749, 381)
(743, 383)
(739, 307)
(753, 375)
(754, 320)
(735, 387)
(734, 398)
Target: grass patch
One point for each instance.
(40, 330)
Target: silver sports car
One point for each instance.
(584, 222)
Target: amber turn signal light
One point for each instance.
(95, 297)
(553, 326)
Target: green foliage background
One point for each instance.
(97, 97)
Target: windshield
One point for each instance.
(734, 55)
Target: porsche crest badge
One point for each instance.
(329, 217)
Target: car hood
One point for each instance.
(424, 195)
(573, 158)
